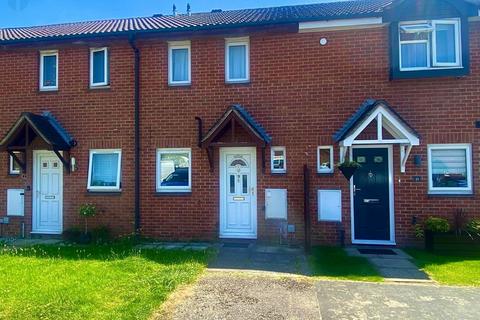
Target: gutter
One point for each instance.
(136, 51)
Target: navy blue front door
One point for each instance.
(371, 194)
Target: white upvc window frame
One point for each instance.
(167, 189)
(432, 63)
(117, 187)
(105, 67)
(332, 164)
(11, 169)
(229, 42)
(172, 45)
(43, 54)
(458, 43)
(272, 154)
(446, 191)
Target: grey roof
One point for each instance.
(46, 126)
(363, 112)
(246, 117)
(198, 21)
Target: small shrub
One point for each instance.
(473, 227)
(349, 164)
(437, 225)
(87, 210)
(101, 235)
(72, 234)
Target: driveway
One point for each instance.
(360, 300)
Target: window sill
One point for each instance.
(179, 85)
(48, 91)
(239, 82)
(173, 193)
(325, 173)
(105, 192)
(278, 173)
(94, 88)
(451, 195)
(430, 73)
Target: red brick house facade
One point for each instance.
(202, 145)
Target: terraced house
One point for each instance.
(228, 124)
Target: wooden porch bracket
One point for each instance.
(263, 159)
(200, 131)
(66, 163)
(210, 157)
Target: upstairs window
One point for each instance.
(430, 45)
(450, 169)
(104, 170)
(179, 64)
(48, 70)
(99, 68)
(237, 60)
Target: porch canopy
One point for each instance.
(30, 126)
(235, 128)
(375, 122)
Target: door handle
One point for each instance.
(253, 191)
(355, 189)
(371, 200)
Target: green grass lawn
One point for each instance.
(334, 263)
(97, 282)
(449, 268)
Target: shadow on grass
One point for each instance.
(333, 262)
(109, 252)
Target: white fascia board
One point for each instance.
(340, 24)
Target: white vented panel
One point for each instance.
(276, 204)
(15, 202)
(329, 205)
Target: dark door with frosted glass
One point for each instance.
(371, 194)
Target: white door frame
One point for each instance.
(35, 180)
(391, 198)
(223, 188)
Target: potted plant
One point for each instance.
(87, 210)
(348, 168)
(432, 226)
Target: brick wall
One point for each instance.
(300, 92)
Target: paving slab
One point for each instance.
(361, 300)
(262, 258)
(394, 268)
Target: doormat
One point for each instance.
(377, 251)
(235, 245)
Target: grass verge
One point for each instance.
(95, 282)
(449, 268)
(334, 263)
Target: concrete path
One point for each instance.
(29, 242)
(397, 267)
(261, 258)
(225, 295)
(360, 300)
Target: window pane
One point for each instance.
(232, 183)
(99, 67)
(325, 160)
(49, 71)
(245, 183)
(278, 160)
(449, 168)
(180, 65)
(445, 42)
(174, 169)
(104, 169)
(414, 55)
(237, 61)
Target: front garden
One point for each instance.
(115, 281)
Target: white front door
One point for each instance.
(47, 193)
(238, 193)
